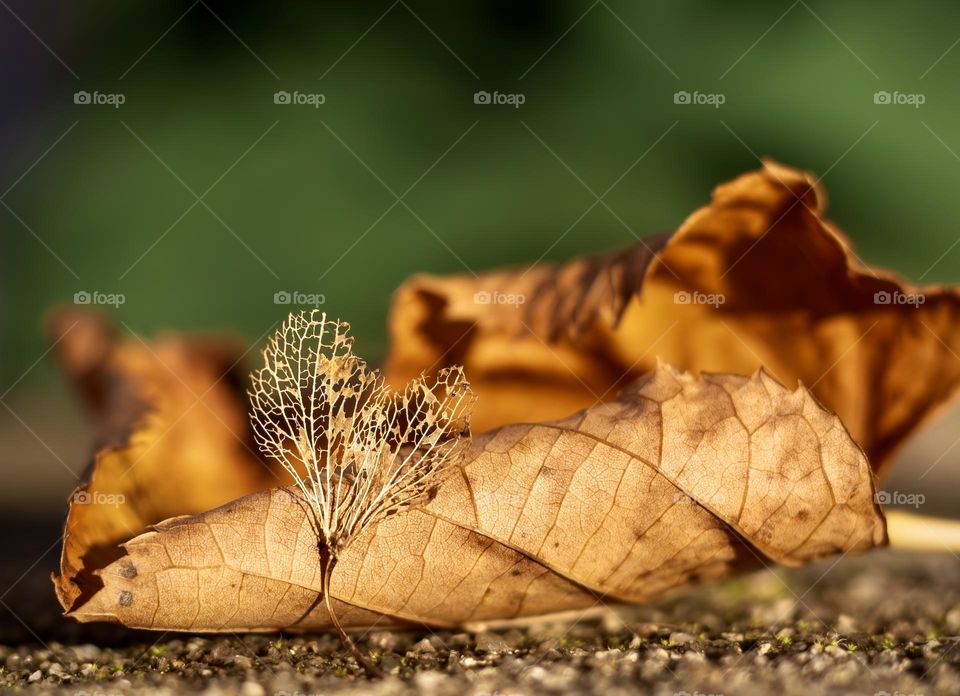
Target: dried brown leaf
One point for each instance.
(796, 300)
(680, 479)
(174, 438)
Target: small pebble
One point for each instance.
(952, 620)
(250, 688)
(491, 643)
(423, 646)
(846, 624)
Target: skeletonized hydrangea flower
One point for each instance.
(357, 449)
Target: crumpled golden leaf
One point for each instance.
(756, 278)
(680, 479)
(173, 433)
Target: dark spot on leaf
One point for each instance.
(516, 572)
(128, 570)
(126, 598)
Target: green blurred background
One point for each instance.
(97, 198)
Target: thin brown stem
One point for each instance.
(327, 562)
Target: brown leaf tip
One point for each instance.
(798, 451)
(357, 450)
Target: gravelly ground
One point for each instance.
(887, 622)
